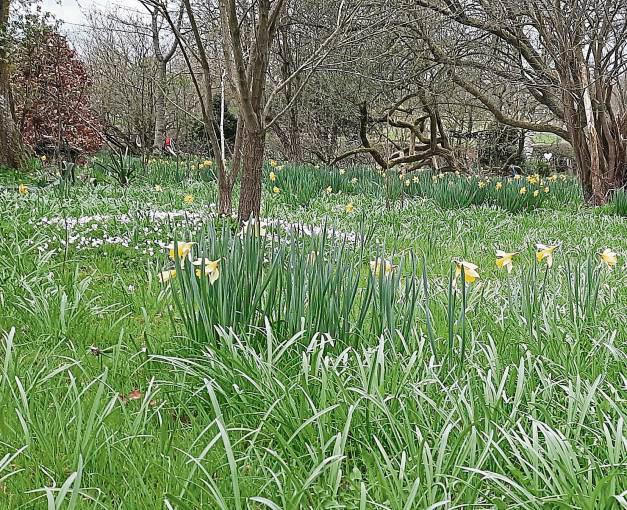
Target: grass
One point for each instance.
(302, 380)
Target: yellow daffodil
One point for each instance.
(498, 185)
(481, 184)
(523, 190)
(342, 171)
(188, 199)
(546, 189)
(504, 259)
(470, 270)
(517, 176)
(536, 193)
(350, 207)
(210, 267)
(158, 189)
(434, 178)
(354, 180)
(532, 179)
(207, 162)
(43, 158)
(166, 276)
(194, 166)
(407, 182)
(180, 248)
(609, 258)
(272, 176)
(380, 263)
(273, 163)
(415, 179)
(276, 190)
(280, 167)
(329, 190)
(545, 252)
(22, 189)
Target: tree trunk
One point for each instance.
(11, 148)
(295, 152)
(252, 165)
(160, 125)
(225, 194)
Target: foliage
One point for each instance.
(619, 202)
(52, 88)
(308, 381)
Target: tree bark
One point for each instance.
(252, 165)
(160, 124)
(11, 148)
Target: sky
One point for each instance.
(73, 11)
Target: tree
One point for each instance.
(568, 55)
(11, 148)
(52, 93)
(162, 57)
(248, 32)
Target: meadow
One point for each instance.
(361, 347)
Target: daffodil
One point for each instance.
(407, 182)
(482, 184)
(188, 199)
(253, 226)
(158, 189)
(166, 276)
(354, 180)
(536, 193)
(280, 167)
(546, 189)
(210, 268)
(470, 270)
(207, 162)
(329, 190)
(272, 176)
(609, 258)
(22, 189)
(350, 207)
(43, 158)
(498, 185)
(504, 259)
(415, 179)
(180, 249)
(273, 163)
(522, 190)
(545, 252)
(276, 190)
(517, 176)
(380, 263)
(342, 171)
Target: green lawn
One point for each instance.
(301, 379)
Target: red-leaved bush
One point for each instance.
(51, 88)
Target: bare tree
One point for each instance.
(249, 30)
(163, 57)
(568, 55)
